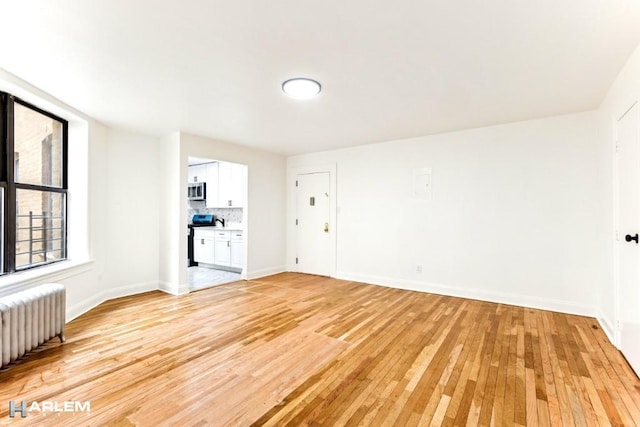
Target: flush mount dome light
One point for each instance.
(301, 88)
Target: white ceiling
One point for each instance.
(389, 69)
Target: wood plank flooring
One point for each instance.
(295, 349)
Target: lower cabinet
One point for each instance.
(237, 249)
(203, 246)
(223, 248)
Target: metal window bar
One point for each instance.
(46, 237)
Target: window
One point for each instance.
(33, 185)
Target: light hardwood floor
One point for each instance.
(295, 349)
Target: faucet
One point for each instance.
(220, 220)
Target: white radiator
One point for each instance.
(29, 319)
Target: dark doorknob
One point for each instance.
(629, 238)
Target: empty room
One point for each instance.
(339, 213)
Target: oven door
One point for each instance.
(191, 262)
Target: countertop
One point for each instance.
(210, 227)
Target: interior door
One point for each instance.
(313, 229)
(628, 228)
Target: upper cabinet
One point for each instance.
(225, 183)
(212, 185)
(197, 173)
(230, 185)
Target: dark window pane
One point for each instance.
(40, 227)
(2, 193)
(38, 148)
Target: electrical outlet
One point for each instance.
(418, 268)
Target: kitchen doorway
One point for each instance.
(216, 222)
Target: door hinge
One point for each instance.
(296, 221)
(617, 235)
(296, 183)
(296, 260)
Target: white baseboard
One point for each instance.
(255, 274)
(610, 331)
(107, 294)
(491, 296)
(170, 288)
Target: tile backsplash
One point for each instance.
(230, 215)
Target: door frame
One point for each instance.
(615, 329)
(292, 237)
(184, 168)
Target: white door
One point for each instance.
(313, 229)
(628, 229)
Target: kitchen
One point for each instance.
(216, 215)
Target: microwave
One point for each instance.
(197, 191)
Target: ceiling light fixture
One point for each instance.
(301, 88)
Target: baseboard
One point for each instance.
(127, 290)
(497, 297)
(108, 294)
(83, 306)
(255, 274)
(608, 328)
(167, 288)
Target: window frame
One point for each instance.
(10, 187)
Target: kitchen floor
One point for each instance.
(200, 278)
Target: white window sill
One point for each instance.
(51, 273)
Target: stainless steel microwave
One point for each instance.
(197, 191)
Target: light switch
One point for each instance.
(422, 183)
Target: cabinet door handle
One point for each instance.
(229, 202)
(202, 241)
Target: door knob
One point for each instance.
(326, 227)
(629, 238)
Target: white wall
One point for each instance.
(516, 213)
(128, 219)
(111, 253)
(132, 210)
(623, 93)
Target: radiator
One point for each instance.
(29, 319)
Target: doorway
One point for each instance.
(628, 227)
(216, 219)
(314, 228)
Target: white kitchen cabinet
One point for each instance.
(237, 249)
(225, 184)
(204, 246)
(230, 185)
(197, 173)
(212, 185)
(223, 248)
(237, 184)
